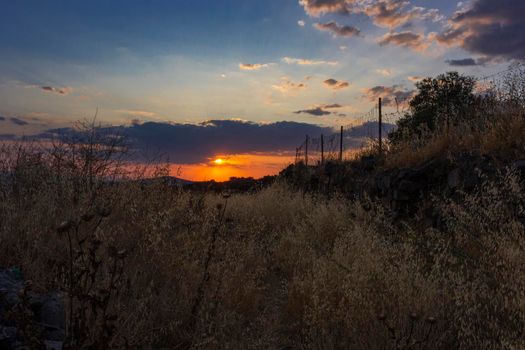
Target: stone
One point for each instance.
(7, 337)
(454, 179)
(53, 345)
(48, 310)
(520, 166)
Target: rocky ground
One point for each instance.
(29, 320)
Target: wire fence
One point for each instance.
(351, 137)
(371, 128)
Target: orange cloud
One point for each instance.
(286, 86)
(416, 42)
(307, 62)
(253, 66)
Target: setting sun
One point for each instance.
(219, 161)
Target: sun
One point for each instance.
(219, 161)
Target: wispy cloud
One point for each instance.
(61, 91)
(253, 66)
(315, 111)
(395, 13)
(408, 39)
(320, 110)
(319, 7)
(18, 121)
(336, 84)
(338, 30)
(308, 62)
(384, 72)
(136, 113)
(464, 62)
(301, 23)
(414, 78)
(391, 95)
(286, 86)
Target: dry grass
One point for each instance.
(494, 125)
(502, 137)
(286, 269)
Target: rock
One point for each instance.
(7, 337)
(53, 345)
(409, 187)
(454, 179)
(10, 284)
(48, 313)
(520, 166)
(54, 317)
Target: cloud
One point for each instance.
(316, 8)
(60, 91)
(331, 106)
(286, 86)
(488, 27)
(135, 113)
(301, 23)
(338, 30)
(335, 84)
(253, 66)
(316, 111)
(414, 78)
(307, 62)
(462, 62)
(384, 72)
(383, 13)
(390, 13)
(18, 121)
(390, 95)
(408, 39)
(196, 143)
(8, 137)
(320, 110)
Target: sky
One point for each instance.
(238, 79)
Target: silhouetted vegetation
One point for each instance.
(440, 103)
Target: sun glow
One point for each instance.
(222, 167)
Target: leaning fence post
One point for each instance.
(380, 137)
(341, 145)
(306, 152)
(322, 149)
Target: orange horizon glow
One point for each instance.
(223, 167)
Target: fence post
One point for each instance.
(341, 145)
(380, 137)
(306, 152)
(322, 149)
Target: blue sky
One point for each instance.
(185, 61)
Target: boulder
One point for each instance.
(520, 166)
(47, 309)
(454, 179)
